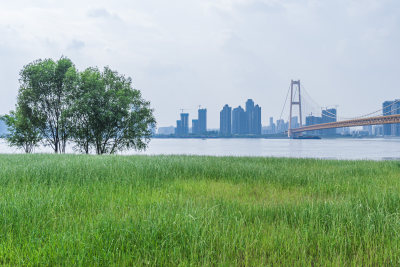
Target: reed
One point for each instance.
(197, 210)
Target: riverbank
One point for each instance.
(192, 210)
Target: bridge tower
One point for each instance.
(293, 102)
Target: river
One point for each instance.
(371, 149)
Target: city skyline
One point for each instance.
(239, 121)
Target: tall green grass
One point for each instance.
(190, 210)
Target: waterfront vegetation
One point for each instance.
(192, 210)
(97, 111)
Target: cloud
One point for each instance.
(98, 12)
(102, 13)
(215, 52)
(76, 45)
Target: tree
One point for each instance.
(108, 115)
(22, 133)
(84, 106)
(45, 87)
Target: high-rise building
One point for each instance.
(311, 120)
(270, 129)
(249, 116)
(178, 129)
(225, 121)
(368, 129)
(202, 120)
(281, 126)
(239, 125)
(185, 123)
(182, 125)
(253, 118)
(377, 130)
(256, 118)
(329, 115)
(195, 127)
(395, 111)
(295, 122)
(272, 125)
(387, 110)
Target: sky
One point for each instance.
(186, 53)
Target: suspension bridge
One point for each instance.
(378, 117)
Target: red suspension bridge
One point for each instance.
(368, 119)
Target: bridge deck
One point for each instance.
(350, 123)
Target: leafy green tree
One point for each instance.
(45, 87)
(108, 115)
(85, 104)
(22, 133)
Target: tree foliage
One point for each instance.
(45, 86)
(22, 133)
(108, 114)
(99, 111)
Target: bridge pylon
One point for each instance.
(294, 102)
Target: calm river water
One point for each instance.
(373, 149)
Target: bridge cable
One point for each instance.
(283, 108)
(334, 116)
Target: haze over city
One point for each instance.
(182, 54)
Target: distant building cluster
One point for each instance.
(199, 125)
(391, 108)
(327, 116)
(239, 121)
(279, 127)
(182, 125)
(247, 121)
(166, 130)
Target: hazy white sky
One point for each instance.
(185, 53)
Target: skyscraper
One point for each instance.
(225, 127)
(185, 123)
(178, 129)
(256, 120)
(182, 125)
(202, 120)
(387, 110)
(281, 126)
(253, 118)
(195, 126)
(239, 121)
(311, 120)
(272, 126)
(396, 110)
(249, 116)
(329, 115)
(295, 122)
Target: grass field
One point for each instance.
(187, 210)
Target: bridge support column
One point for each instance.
(293, 102)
